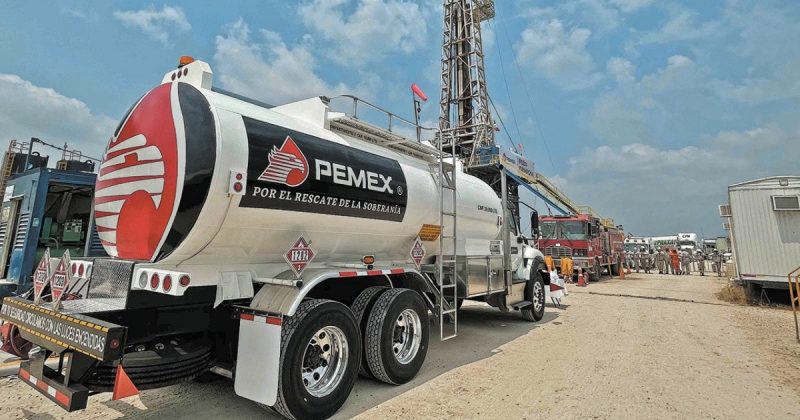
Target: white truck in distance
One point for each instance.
(288, 248)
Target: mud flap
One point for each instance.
(258, 358)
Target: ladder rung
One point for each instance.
(448, 237)
(448, 286)
(449, 311)
(445, 338)
(447, 213)
(449, 187)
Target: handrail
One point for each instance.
(794, 296)
(391, 116)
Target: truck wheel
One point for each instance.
(361, 308)
(320, 353)
(534, 292)
(396, 339)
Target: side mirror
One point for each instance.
(534, 224)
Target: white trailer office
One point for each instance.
(763, 216)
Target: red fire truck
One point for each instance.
(594, 244)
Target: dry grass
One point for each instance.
(732, 293)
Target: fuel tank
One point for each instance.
(194, 175)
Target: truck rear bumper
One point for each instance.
(79, 341)
(60, 332)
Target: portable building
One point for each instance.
(763, 217)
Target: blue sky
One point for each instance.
(645, 110)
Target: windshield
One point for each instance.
(548, 230)
(687, 242)
(573, 230)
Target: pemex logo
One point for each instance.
(287, 165)
(137, 184)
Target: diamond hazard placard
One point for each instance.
(41, 276)
(299, 255)
(60, 279)
(417, 252)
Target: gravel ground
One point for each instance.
(647, 346)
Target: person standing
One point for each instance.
(647, 258)
(716, 260)
(675, 262)
(701, 262)
(637, 260)
(686, 261)
(660, 261)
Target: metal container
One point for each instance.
(766, 240)
(167, 189)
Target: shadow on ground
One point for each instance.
(482, 330)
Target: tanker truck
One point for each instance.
(288, 248)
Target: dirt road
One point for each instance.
(647, 346)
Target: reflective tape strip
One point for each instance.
(371, 272)
(43, 386)
(272, 320)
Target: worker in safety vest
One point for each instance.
(548, 261)
(566, 267)
(700, 259)
(637, 260)
(686, 262)
(716, 261)
(674, 260)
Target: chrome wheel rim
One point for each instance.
(407, 336)
(538, 296)
(324, 361)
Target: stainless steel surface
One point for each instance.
(407, 336)
(110, 279)
(324, 361)
(477, 276)
(497, 281)
(89, 306)
(558, 251)
(538, 296)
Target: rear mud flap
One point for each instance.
(258, 358)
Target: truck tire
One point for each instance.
(361, 308)
(320, 354)
(534, 292)
(396, 339)
(172, 362)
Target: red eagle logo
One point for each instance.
(137, 185)
(287, 165)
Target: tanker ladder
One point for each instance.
(446, 260)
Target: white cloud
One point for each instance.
(374, 29)
(683, 26)
(622, 70)
(629, 6)
(270, 69)
(559, 54)
(27, 110)
(157, 24)
(784, 84)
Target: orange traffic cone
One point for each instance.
(621, 272)
(581, 280)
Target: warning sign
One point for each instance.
(41, 276)
(60, 279)
(417, 252)
(299, 256)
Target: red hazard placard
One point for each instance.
(417, 252)
(299, 255)
(41, 276)
(60, 279)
